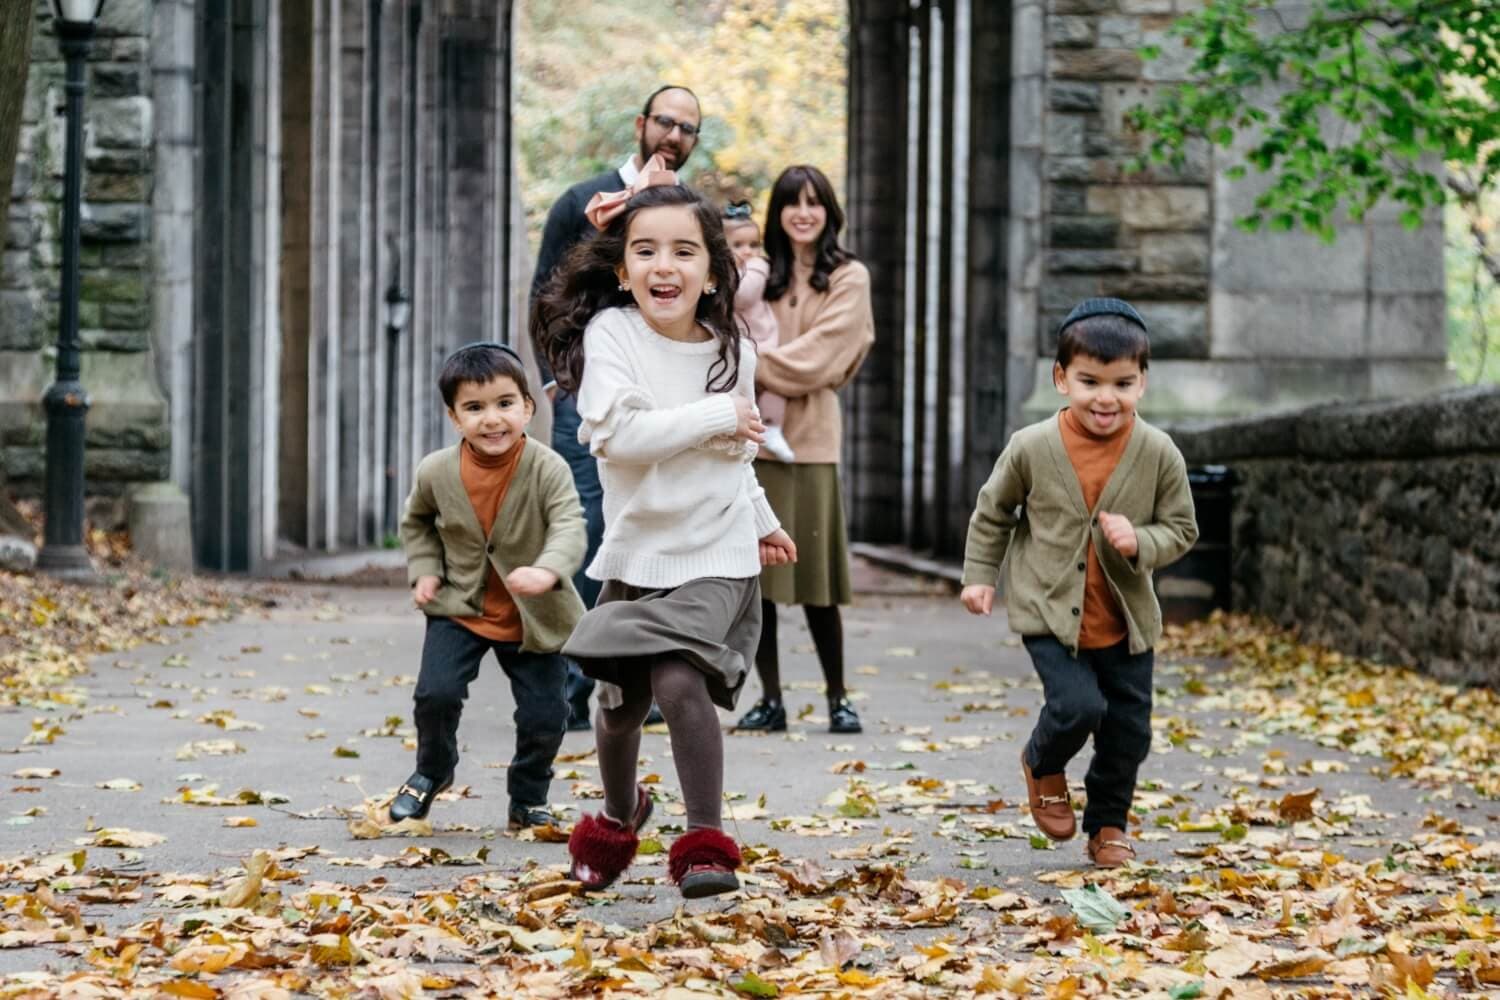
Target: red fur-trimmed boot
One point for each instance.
(602, 849)
(702, 863)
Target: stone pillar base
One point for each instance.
(160, 526)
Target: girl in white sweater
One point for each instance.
(639, 323)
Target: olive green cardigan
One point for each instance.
(1032, 510)
(540, 524)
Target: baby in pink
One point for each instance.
(750, 305)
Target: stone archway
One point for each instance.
(347, 148)
(945, 207)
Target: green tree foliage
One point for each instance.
(774, 73)
(1359, 101)
(1473, 304)
(770, 74)
(1347, 103)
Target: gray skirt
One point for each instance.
(712, 623)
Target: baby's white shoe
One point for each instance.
(775, 445)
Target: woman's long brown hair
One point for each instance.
(830, 255)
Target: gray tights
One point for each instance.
(681, 692)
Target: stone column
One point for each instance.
(878, 135)
(174, 196)
(236, 361)
(989, 195)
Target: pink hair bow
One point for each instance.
(604, 206)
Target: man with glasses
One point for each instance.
(667, 126)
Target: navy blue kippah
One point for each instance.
(1102, 307)
(486, 343)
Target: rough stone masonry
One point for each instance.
(1372, 528)
(128, 435)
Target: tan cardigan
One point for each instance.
(824, 339)
(539, 524)
(1031, 516)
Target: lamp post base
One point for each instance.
(67, 562)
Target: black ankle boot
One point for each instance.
(767, 716)
(842, 718)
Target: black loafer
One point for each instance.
(522, 817)
(708, 880)
(765, 716)
(842, 718)
(416, 796)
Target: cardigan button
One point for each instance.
(1075, 612)
(1082, 566)
(490, 549)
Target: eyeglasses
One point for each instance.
(667, 123)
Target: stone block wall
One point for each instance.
(1372, 528)
(1241, 322)
(128, 438)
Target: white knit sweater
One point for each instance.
(681, 500)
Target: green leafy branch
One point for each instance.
(1363, 100)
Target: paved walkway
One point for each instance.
(292, 716)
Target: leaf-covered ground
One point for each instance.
(202, 820)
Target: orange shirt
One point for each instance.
(1094, 460)
(487, 480)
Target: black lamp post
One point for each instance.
(66, 403)
(397, 315)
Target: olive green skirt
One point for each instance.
(809, 502)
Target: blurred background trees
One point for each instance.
(771, 75)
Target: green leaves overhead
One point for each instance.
(1353, 102)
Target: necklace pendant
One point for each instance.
(794, 300)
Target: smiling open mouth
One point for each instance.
(665, 294)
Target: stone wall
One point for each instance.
(1241, 322)
(1373, 528)
(128, 437)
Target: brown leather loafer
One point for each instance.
(1050, 806)
(1109, 848)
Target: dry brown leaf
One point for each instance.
(1298, 966)
(208, 959)
(838, 947)
(245, 891)
(190, 988)
(1398, 970)
(1295, 807)
(120, 837)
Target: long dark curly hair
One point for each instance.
(778, 244)
(587, 282)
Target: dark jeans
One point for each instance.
(1103, 692)
(451, 656)
(586, 478)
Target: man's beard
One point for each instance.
(647, 151)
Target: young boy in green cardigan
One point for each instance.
(1086, 504)
(493, 533)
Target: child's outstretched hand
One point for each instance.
(529, 581)
(748, 426)
(1119, 532)
(777, 549)
(978, 599)
(425, 589)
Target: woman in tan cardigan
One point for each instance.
(821, 297)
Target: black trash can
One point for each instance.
(1201, 581)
